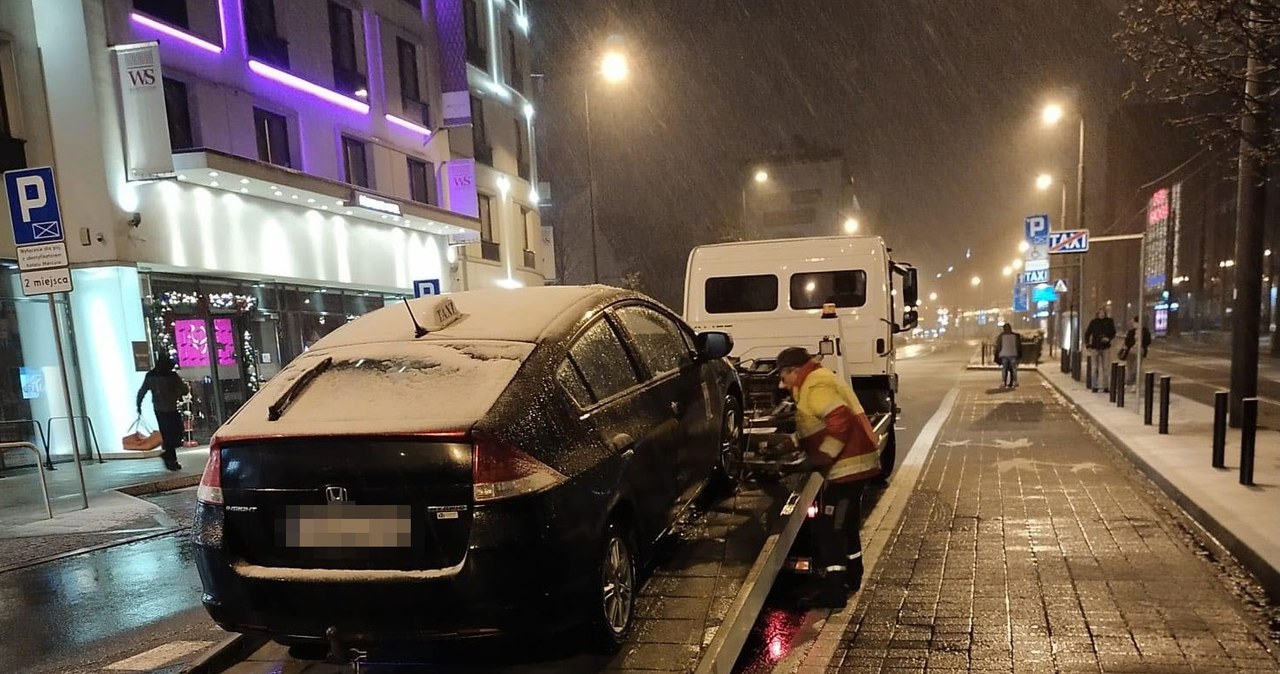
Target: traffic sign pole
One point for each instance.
(66, 396)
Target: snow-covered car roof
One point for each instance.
(517, 315)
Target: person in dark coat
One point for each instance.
(167, 390)
(1098, 337)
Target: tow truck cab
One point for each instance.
(841, 297)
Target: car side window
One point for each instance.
(658, 340)
(569, 378)
(603, 361)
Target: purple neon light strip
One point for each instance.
(175, 33)
(304, 86)
(406, 124)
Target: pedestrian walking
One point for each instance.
(838, 441)
(1097, 338)
(1129, 355)
(167, 390)
(1008, 352)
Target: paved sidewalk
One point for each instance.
(1244, 519)
(1030, 544)
(115, 514)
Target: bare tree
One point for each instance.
(1194, 53)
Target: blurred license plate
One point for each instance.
(345, 525)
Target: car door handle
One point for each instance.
(622, 443)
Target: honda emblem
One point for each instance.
(335, 494)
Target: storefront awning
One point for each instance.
(221, 171)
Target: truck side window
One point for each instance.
(847, 288)
(741, 294)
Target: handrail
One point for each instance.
(44, 487)
(93, 434)
(48, 460)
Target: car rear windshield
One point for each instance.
(847, 288)
(397, 386)
(741, 294)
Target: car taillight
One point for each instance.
(500, 471)
(210, 490)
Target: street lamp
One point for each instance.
(850, 225)
(1043, 181)
(1023, 246)
(762, 176)
(613, 68)
(975, 281)
(1052, 114)
(933, 297)
(1017, 263)
(1007, 271)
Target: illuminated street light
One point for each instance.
(1007, 271)
(1016, 264)
(614, 67)
(850, 225)
(1052, 114)
(975, 281)
(1023, 246)
(1043, 181)
(933, 297)
(762, 176)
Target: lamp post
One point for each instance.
(1052, 114)
(613, 68)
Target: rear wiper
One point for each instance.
(278, 407)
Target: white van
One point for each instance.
(836, 296)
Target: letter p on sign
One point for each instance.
(30, 195)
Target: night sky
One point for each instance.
(935, 102)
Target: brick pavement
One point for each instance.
(1031, 545)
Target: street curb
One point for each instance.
(722, 653)
(1267, 575)
(222, 655)
(88, 549)
(167, 484)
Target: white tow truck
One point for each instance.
(841, 297)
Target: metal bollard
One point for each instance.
(1220, 429)
(1111, 388)
(1065, 361)
(1117, 389)
(1248, 436)
(1075, 364)
(1165, 383)
(1148, 402)
(1088, 374)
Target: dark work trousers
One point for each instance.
(837, 543)
(170, 433)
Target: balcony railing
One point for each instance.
(417, 111)
(524, 170)
(484, 153)
(349, 81)
(490, 251)
(530, 260)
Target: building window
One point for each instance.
(347, 77)
(273, 137)
(522, 149)
(526, 220)
(172, 12)
(355, 163)
(261, 34)
(408, 56)
(178, 110)
(6, 126)
(422, 181)
(515, 76)
(416, 4)
(476, 54)
(480, 133)
(488, 244)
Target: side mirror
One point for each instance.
(910, 319)
(910, 288)
(713, 345)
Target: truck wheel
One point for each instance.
(889, 455)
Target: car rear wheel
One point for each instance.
(614, 606)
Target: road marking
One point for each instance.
(159, 656)
(877, 529)
(1018, 464)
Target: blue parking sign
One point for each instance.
(426, 287)
(1036, 228)
(33, 206)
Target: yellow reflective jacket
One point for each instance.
(833, 428)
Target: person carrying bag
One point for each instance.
(167, 390)
(140, 438)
